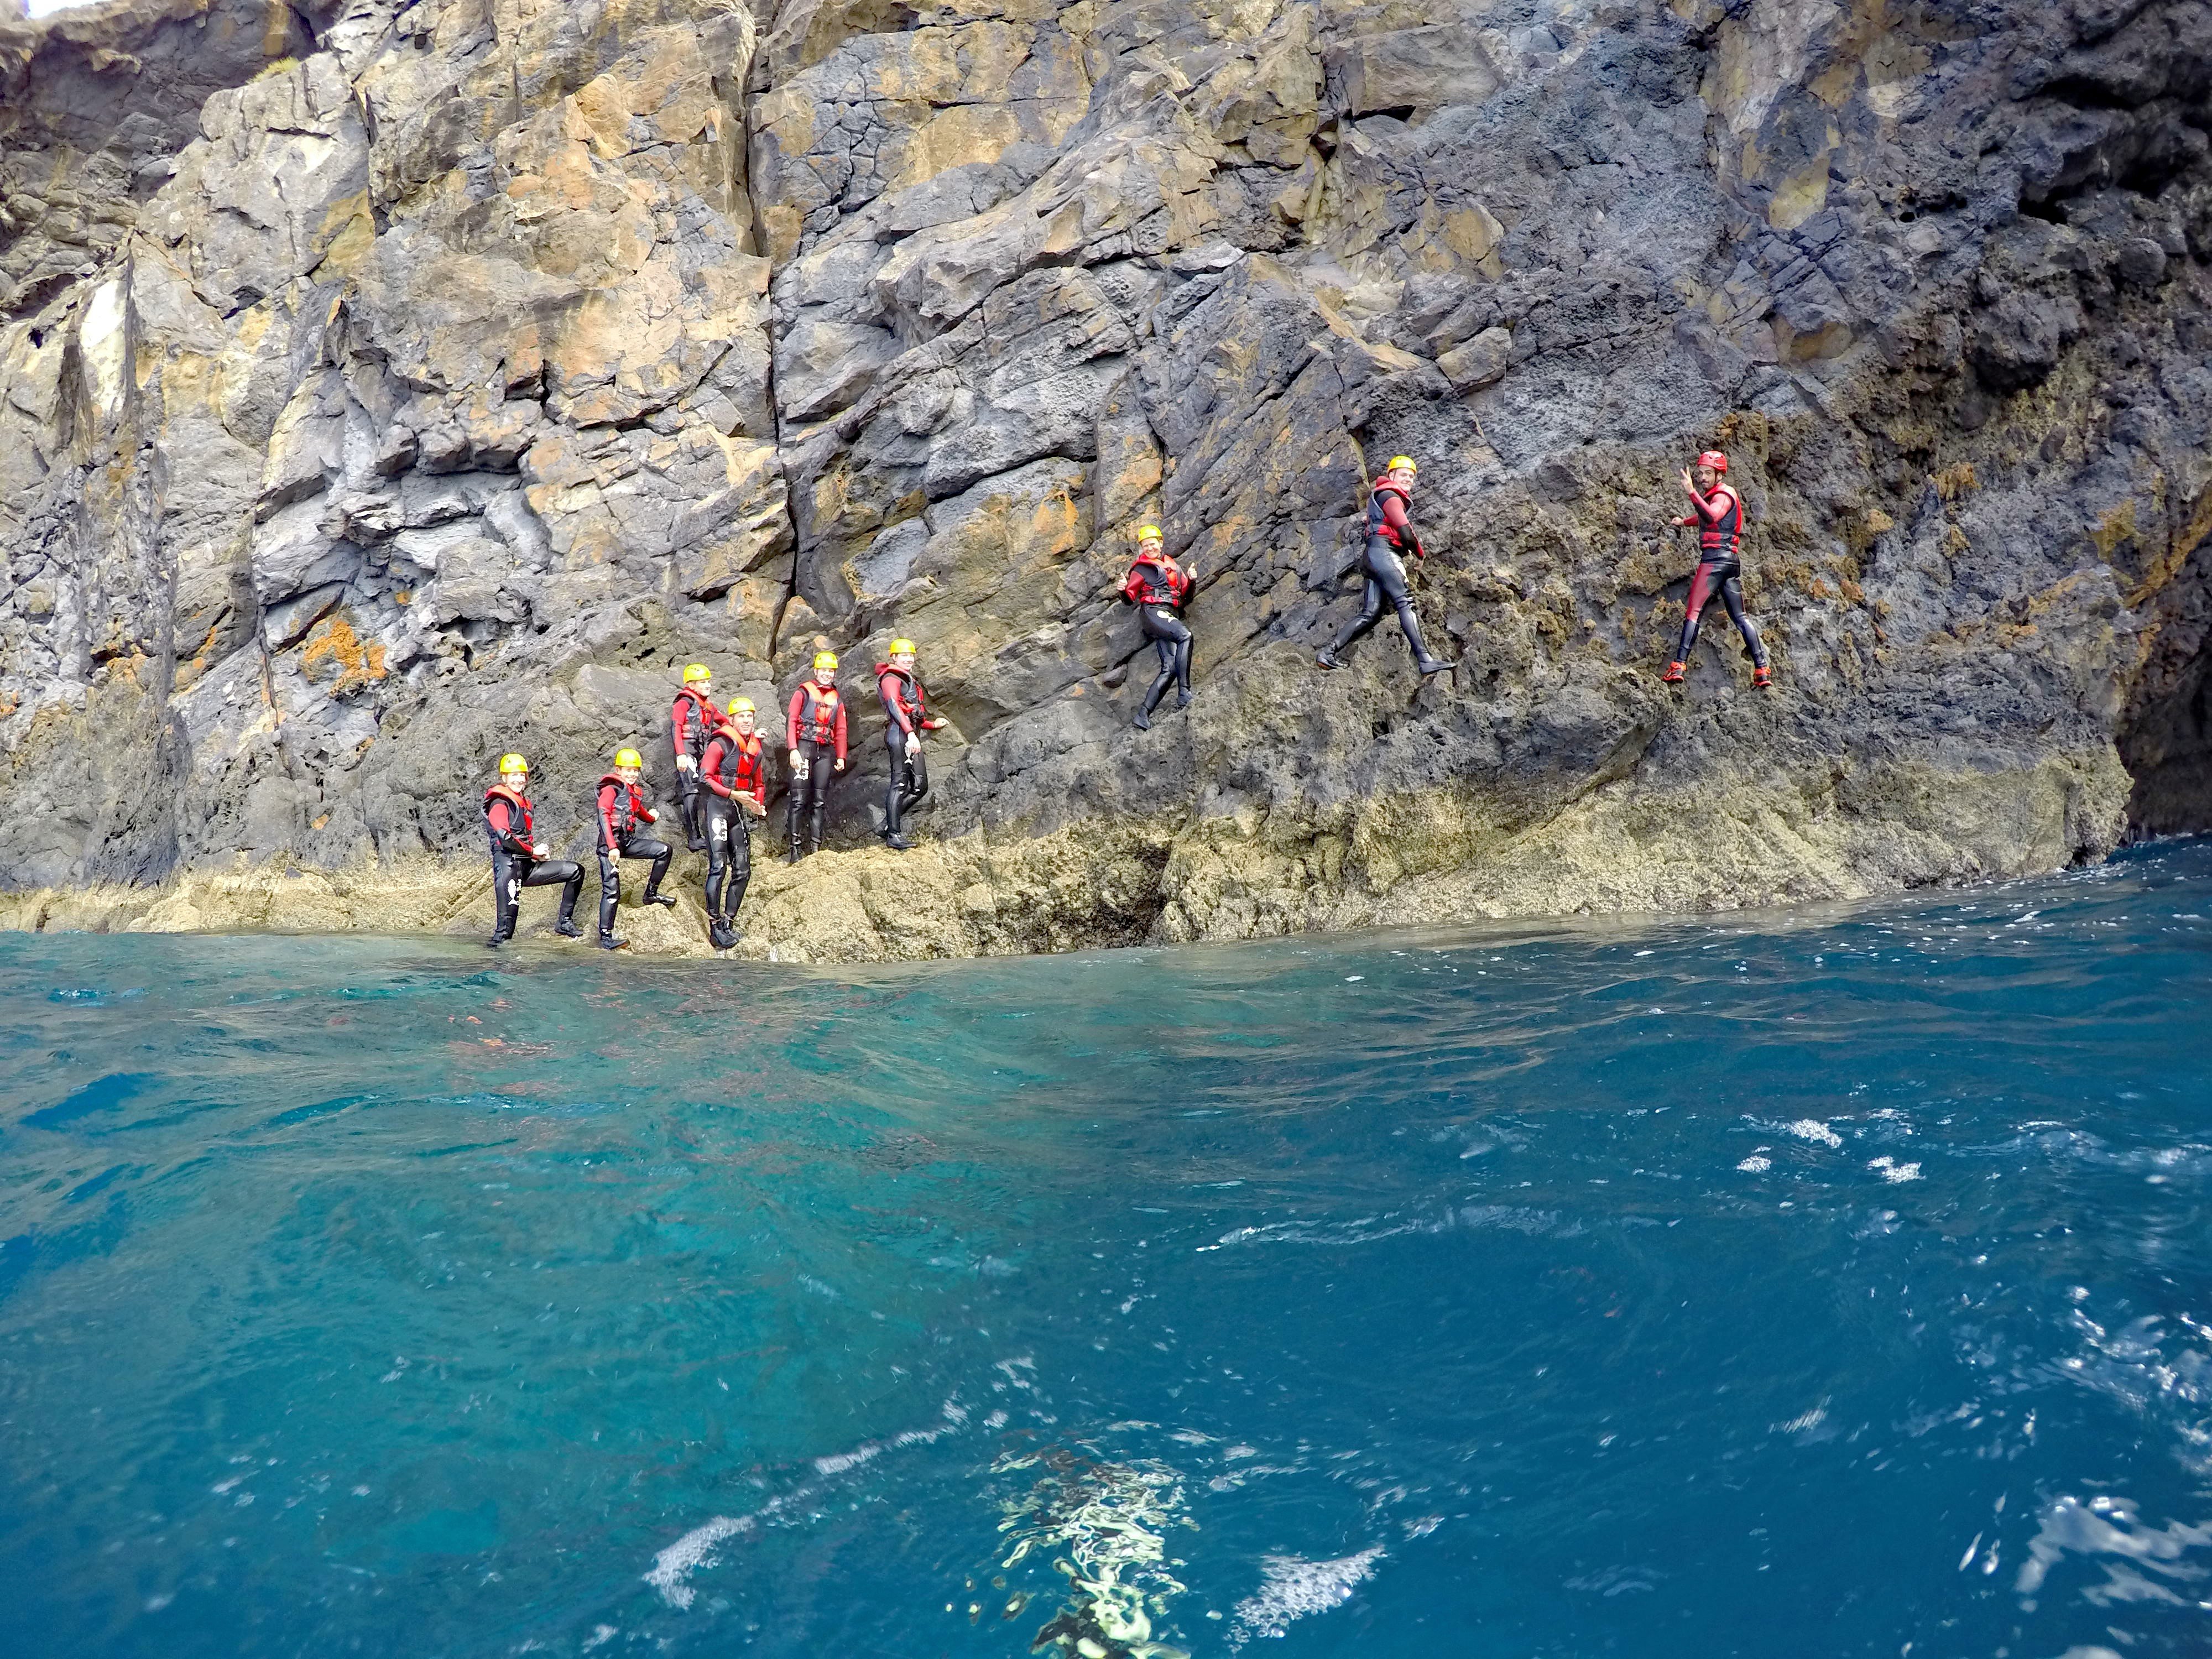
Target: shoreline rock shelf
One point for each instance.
(383, 388)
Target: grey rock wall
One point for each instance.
(383, 387)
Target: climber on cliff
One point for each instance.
(816, 733)
(1389, 531)
(519, 860)
(1159, 588)
(734, 768)
(621, 811)
(691, 721)
(1718, 511)
(899, 687)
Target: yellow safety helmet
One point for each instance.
(740, 705)
(696, 671)
(898, 646)
(1150, 532)
(628, 758)
(825, 659)
(1397, 461)
(512, 763)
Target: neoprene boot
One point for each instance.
(608, 942)
(1763, 678)
(665, 901)
(1326, 657)
(1673, 676)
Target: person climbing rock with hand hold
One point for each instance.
(1718, 511)
(621, 811)
(519, 860)
(816, 733)
(1159, 588)
(691, 721)
(903, 708)
(734, 768)
(1389, 532)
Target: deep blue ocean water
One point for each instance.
(1819, 1282)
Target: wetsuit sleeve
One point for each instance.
(1131, 589)
(710, 767)
(791, 725)
(840, 728)
(676, 723)
(606, 817)
(501, 814)
(892, 706)
(1401, 528)
(1711, 509)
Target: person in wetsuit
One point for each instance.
(621, 810)
(904, 710)
(518, 859)
(816, 733)
(1159, 588)
(1718, 511)
(734, 769)
(1389, 532)
(691, 720)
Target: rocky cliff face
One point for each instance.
(384, 385)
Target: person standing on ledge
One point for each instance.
(734, 768)
(1718, 514)
(1389, 532)
(691, 721)
(621, 810)
(816, 733)
(903, 707)
(1159, 588)
(519, 860)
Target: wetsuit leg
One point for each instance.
(1387, 573)
(688, 794)
(641, 847)
(1370, 607)
(560, 872)
(794, 801)
(1170, 638)
(718, 833)
(1183, 669)
(1702, 583)
(896, 791)
(820, 758)
(740, 837)
(609, 892)
(506, 887)
(1732, 597)
(917, 782)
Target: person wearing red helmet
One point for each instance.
(1159, 588)
(1718, 511)
(1389, 531)
(816, 733)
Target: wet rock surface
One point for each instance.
(383, 388)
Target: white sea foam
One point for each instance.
(1757, 1163)
(694, 1550)
(1294, 1586)
(1891, 1170)
(1811, 1128)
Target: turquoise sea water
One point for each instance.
(1808, 1282)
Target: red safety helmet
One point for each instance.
(1715, 459)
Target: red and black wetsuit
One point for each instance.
(815, 728)
(1720, 570)
(620, 809)
(731, 766)
(691, 720)
(1389, 532)
(514, 863)
(1159, 589)
(905, 713)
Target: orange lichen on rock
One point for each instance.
(335, 653)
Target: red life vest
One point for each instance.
(1156, 579)
(734, 761)
(1378, 522)
(1720, 535)
(517, 803)
(903, 697)
(695, 724)
(817, 720)
(630, 805)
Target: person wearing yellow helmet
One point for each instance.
(1389, 532)
(1159, 588)
(518, 859)
(620, 809)
(899, 688)
(691, 721)
(734, 769)
(815, 730)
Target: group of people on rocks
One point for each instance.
(721, 764)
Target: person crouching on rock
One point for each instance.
(621, 810)
(1718, 511)
(817, 736)
(1159, 588)
(734, 768)
(518, 859)
(1389, 532)
(901, 691)
(691, 721)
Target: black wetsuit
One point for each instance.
(620, 811)
(514, 867)
(1389, 531)
(1720, 536)
(732, 766)
(903, 708)
(691, 721)
(817, 730)
(1157, 586)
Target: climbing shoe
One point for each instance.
(898, 843)
(568, 929)
(1432, 664)
(1182, 699)
(608, 942)
(719, 935)
(1327, 658)
(666, 901)
(1763, 678)
(1673, 676)
(1142, 721)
